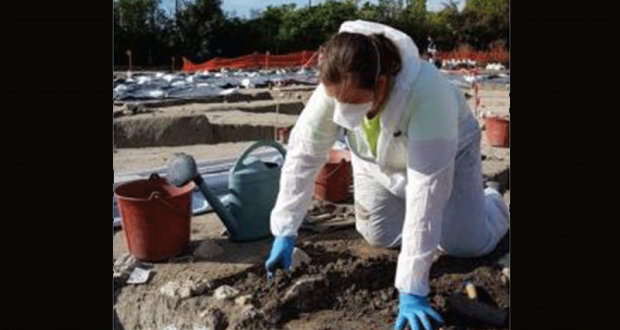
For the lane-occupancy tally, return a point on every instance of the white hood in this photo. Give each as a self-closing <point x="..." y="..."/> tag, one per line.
<point x="408" y="51"/>
<point x="403" y="82"/>
<point x="409" y="56"/>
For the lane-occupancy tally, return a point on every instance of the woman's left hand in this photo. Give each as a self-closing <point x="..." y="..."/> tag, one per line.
<point x="415" y="310"/>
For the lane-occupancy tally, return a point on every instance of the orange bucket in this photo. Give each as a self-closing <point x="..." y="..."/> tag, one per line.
<point x="333" y="182"/>
<point x="156" y="217"/>
<point x="498" y="131"/>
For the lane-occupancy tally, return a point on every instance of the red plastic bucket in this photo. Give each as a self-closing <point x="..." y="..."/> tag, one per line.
<point x="498" y="131"/>
<point x="156" y="217"/>
<point x="333" y="182"/>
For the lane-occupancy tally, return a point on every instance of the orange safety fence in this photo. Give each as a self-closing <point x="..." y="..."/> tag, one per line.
<point x="497" y="55"/>
<point x="254" y="61"/>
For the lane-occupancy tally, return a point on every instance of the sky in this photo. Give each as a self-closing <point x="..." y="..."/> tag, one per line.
<point x="242" y="7"/>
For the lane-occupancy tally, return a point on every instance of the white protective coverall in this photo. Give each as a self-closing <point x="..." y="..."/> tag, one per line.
<point x="423" y="190"/>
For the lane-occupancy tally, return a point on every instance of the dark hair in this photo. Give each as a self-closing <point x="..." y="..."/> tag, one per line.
<point x="354" y="56"/>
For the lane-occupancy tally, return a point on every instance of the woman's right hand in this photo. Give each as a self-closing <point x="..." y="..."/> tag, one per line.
<point x="281" y="254"/>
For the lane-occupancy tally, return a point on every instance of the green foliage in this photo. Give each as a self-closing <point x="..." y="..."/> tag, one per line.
<point x="201" y="31"/>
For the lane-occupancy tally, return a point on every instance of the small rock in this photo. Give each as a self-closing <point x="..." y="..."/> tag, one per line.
<point x="132" y="108"/>
<point x="225" y="292"/>
<point x="170" y="289"/>
<point x="302" y="287"/>
<point x="170" y="327"/>
<point x="215" y="319"/>
<point x="208" y="250"/>
<point x="184" y="292"/>
<point x="251" y="276"/>
<point x="128" y="108"/>
<point x="299" y="258"/>
<point x="506" y="272"/>
<point x="185" y="289"/>
<point x="249" y="311"/>
<point x="243" y="300"/>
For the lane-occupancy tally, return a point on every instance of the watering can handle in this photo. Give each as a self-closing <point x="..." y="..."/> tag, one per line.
<point x="258" y="144"/>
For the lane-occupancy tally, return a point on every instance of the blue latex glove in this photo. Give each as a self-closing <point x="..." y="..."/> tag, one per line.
<point x="414" y="310"/>
<point x="281" y="254"/>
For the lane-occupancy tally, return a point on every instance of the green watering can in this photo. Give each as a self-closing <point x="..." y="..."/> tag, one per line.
<point x="253" y="186"/>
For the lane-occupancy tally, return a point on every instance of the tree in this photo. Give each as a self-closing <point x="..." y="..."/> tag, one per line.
<point x="413" y="21"/>
<point x="369" y="12"/>
<point x="198" y="24"/>
<point x="138" y="25"/>
<point x="201" y="31"/>
<point x="419" y="6"/>
<point x="444" y="26"/>
<point x="255" y="13"/>
<point x="486" y="22"/>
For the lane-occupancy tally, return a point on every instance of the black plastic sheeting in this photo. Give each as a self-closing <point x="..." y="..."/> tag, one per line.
<point x="190" y="86"/>
<point x="499" y="78"/>
<point x="161" y="86"/>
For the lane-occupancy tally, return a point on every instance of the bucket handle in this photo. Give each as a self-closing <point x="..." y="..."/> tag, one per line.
<point x="262" y="143"/>
<point x="157" y="195"/>
<point x="342" y="162"/>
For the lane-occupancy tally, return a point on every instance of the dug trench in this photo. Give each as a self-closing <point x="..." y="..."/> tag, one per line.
<point x="203" y="124"/>
<point x="191" y="130"/>
<point x="246" y="116"/>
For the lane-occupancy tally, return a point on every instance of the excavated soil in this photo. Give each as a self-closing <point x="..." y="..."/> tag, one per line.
<point x="357" y="288"/>
<point x="336" y="290"/>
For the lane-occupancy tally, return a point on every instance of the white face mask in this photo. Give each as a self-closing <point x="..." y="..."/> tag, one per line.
<point x="349" y="115"/>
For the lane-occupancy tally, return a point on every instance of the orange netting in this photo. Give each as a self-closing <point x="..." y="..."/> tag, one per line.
<point x="304" y="58"/>
<point x="499" y="55"/>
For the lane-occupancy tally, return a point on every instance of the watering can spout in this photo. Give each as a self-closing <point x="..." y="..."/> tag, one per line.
<point x="181" y="170"/>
